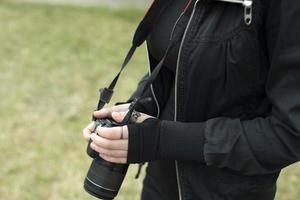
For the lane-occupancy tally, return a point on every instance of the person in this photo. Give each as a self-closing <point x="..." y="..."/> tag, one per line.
<point x="224" y="119"/>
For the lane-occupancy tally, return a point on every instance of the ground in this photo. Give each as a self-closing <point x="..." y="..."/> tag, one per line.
<point x="53" y="59"/>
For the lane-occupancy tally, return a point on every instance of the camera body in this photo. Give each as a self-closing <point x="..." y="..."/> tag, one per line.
<point x="104" y="178"/>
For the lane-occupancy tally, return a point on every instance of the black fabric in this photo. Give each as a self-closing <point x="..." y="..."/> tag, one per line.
<point x="151" y="108"/>
<point x="147" y="107"/>
<point x="184" y="147"/>
<point x="156" y="139"/>
<point x="160" y="35"/>
<point x="160" y="180"/>
<point x="272" y="142"/>
<point x="143" y="30"/>
<point x="241" y="84"/>
<point x="144" y="141"/>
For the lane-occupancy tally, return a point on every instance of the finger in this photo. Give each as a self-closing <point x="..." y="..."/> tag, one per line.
<point x="114" y="133"/>
<point x="111" y="153"/>
<point x="103" y="113"/>
<point x="106" y="112"/>
<point x="86" y="132"/>
<point x="119" y="116"/>
<point x="110" y="144"/>
<point x="113" y="160"/>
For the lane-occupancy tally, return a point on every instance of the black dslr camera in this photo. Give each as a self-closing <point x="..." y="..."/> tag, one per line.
<point x="104" y="178"/>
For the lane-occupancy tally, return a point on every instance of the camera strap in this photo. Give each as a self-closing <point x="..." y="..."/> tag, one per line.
<point x="143" y="30"/>
<point x="141" y="34"/>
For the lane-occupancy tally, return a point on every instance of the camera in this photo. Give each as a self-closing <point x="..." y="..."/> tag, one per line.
<point x="104" y="178"/>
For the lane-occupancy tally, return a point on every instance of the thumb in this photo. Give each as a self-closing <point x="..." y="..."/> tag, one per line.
<point x="118" y="116"/>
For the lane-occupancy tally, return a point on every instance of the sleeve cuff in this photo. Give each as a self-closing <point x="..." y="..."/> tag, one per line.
<point x="165" y="140"/>
<point x="143" y="144"/>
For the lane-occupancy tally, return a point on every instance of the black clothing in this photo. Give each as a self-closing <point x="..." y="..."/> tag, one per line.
<point x="159" y="37"/>
<point x="166" y="188"/>
<point x="237" y="87"/>
<point x="160" y="180"/>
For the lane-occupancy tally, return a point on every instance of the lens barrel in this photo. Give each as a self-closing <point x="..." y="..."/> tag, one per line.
<point x="104" y="178"/>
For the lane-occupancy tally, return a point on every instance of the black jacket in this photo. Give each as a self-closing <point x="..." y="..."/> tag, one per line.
<point x="238" y="86"/>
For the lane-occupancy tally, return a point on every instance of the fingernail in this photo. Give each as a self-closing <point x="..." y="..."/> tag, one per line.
<point x="92" y="145"/>
<point x="114" y="114"/>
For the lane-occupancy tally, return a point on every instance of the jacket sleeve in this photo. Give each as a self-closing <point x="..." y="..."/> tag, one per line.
<point x="266" y="145"/>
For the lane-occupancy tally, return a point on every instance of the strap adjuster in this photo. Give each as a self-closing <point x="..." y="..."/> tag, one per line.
<point x="105" y="95"/>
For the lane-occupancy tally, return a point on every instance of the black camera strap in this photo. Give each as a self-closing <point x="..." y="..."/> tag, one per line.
<point x="143" y="30"/>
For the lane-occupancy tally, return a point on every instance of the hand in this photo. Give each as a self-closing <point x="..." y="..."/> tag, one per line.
<point x="103" y="113"/>
<point x="112" y="143"/>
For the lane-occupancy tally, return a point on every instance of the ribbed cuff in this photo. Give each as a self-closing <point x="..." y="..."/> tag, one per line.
<point x="144" y="140"/>
<point x="165" y="140"/>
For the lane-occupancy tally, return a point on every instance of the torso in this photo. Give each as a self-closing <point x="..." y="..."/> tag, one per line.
<point x="160" y="181"/>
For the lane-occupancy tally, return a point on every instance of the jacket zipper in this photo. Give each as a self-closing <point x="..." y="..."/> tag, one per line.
<point x="176" y="81"/>
<point x="247" y="9"/>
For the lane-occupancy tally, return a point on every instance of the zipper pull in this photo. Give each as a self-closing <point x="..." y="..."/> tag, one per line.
<point x="248" y="11"/>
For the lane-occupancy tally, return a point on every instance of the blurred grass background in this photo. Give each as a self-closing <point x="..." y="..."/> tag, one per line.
<point x="53" y="59"/>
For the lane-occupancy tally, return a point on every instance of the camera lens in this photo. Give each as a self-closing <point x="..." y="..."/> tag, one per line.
<point x="104" y="179"/>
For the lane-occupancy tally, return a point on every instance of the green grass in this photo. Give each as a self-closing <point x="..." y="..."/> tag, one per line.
<point x="52" y="62"/>
<point x="53" y="59"/>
